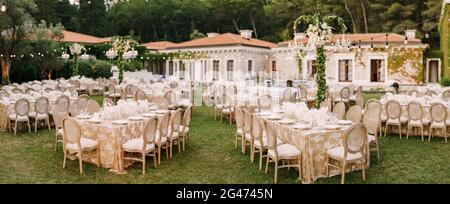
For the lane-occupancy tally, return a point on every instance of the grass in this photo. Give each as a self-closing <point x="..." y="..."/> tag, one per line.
<point x="212" y="158"/>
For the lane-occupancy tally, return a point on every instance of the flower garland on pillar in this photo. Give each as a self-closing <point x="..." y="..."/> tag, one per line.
<point x="76" y="50"/>
<point x="319" y="33"/>
<point x="123" y="49"/>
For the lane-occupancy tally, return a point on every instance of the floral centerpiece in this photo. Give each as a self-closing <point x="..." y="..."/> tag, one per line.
<point x="123" y="48"/>
<point x="76" y="50"/>
<point x="319" y="33"/>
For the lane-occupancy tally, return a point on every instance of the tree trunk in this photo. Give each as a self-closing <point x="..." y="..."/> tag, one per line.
<point x="366" y="29"/>
<point x="254" y="26"/>
<point x="351" y="16"/>
<point x="6" y="66"/>
<point x="236" y="25"/>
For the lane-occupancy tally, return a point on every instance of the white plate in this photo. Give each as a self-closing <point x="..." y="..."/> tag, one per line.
<point x="94" y="121"/>
<point x="301" y="127"/>
<point x="161" y="111"/>
<point x="345" y="122"/>
<point x="286" y="122"/>
<point x="83" y="117"/>
<point x="149" y="115"/>
<point x="273" y="117"/>
<point x="332" y="127"/>
<point x="263" y="113"/>
<point x="136" y="118"/>
<point x="120" y="122"/>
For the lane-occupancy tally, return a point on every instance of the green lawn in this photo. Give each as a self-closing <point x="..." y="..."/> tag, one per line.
<point x="212" y="158"/>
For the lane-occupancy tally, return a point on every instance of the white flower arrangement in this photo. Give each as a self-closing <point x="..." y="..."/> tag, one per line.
<point x="318" y="35"/>
<point x="76" y="49"/>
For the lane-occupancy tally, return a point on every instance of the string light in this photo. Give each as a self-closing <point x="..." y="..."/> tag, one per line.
<point x="371" y="44"/>
<point x="387" y="43"/>
<point x="3" y="7"/>
<point x="406" y="38"/>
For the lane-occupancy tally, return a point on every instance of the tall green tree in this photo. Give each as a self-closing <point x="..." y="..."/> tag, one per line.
<point x="15" y="25"/>
<point x="46" y="10"/>
<point x="67" y="14"/>
<point x="92" y="17"/>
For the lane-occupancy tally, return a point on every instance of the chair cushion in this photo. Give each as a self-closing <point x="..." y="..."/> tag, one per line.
<point x="20" y="118"/>
<point x="264" y="140"/>
<point x="285" y="151"/>
<point x="338" y="152"/>
<point x="438" y="124"/>
<point x="163" y="140"/>
<point x="352" y="97"/>
<point x="85" y="143"/>
<point x="114" y="95"/>
<point x="186" y="130"/>
<point x="418" y="123"/>
<point x="135" y="145"/>
<point x="383" y="118"/>
<point x="40" y="115"/>
<point x="370" y="138"/>
<point x="60" y="131"/>
<point x="403" y="120"/>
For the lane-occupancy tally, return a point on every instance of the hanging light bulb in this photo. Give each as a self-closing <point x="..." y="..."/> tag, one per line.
<point x="406" y="38"/>
<point x="387" y="43"/>
<point x="427" y="35"/>
<point x="371" y="44"/>
<point x="3" y="7"/>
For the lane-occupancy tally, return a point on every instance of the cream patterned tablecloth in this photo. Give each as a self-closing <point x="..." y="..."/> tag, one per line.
<point x="313" y="144"/>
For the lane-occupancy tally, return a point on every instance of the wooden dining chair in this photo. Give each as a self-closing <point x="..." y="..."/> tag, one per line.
<point x="394" y="116"/>
<point x="438" y="113"/>
<point x="185" y="127"/>
<point x="143" y="146"/>
<point x="339" y="110"/>
<point x="372" y="119"/>
<point x="284" y="152"/>
<point x="415" y="118"/>
<point x="21" y="110"/>
<point x="75" y="144"/>
<point x="41" y="108"/>
<point x="354" y="114"/>
<point x="353" y="150"/>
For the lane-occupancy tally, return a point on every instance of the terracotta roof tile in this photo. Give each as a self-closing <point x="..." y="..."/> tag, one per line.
<point x="223" y="40"/>
<point x="161" y="45"/>
<point x="365" y="38"/>
<point x="74" y="37"/>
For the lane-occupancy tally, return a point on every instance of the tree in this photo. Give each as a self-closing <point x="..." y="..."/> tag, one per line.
<point x="14" y="26"/>
<point x="67" y="14"/>
<point x="92" y="17"/>
<point x="46" y="10"/>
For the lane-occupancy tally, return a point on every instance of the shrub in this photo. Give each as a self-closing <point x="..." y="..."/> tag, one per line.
<point x="85" y="68"/>
<point x="445" y="81"/>
<point x="102" y="69"/>
<point x="133" y="66"/>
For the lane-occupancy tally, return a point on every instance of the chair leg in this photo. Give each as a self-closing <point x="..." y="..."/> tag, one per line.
<point x="56" y="140"/>
<point x="363" y="167"/>
<point x="189" y="139"/>
<point x="385" y="130"/>
<point x="159" y="155"/>
<point x="35" y="124"/>
<point x="98" y="156"/>
<point x="267" y="164"/>
<point x="64" y="161"/>
<point x="276" y="171"/>
<point x="421" y="132"/>
<point x="429" y="134"/>
<point x="327" y="170"/>
<point x="236" y="140"/>
<point x="81" y="163"/>
<point x="184" y="148"/>
<point x="343" y="173"/>
<point x="171" y="147"/>
<point x="378" y="150"/>
<point x="260" y="160"/>
<point x="29" y="126"/>
<point x="154" y="159"/>
<point x="407" y="131"/>
<point x="299" y="168"/>
<point x="167" y="151"/>
<point x="48" y="123"/>
<point x="400" y="130"/>
<point x="143" y="163"/>
<point x="15" y="127"/>
<point x="178" y="144"/>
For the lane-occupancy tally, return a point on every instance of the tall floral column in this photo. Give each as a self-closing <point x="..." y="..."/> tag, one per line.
<point x="319" y="33"/>
<point x="76" y="49"/>
<point x="123" y="49"/>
